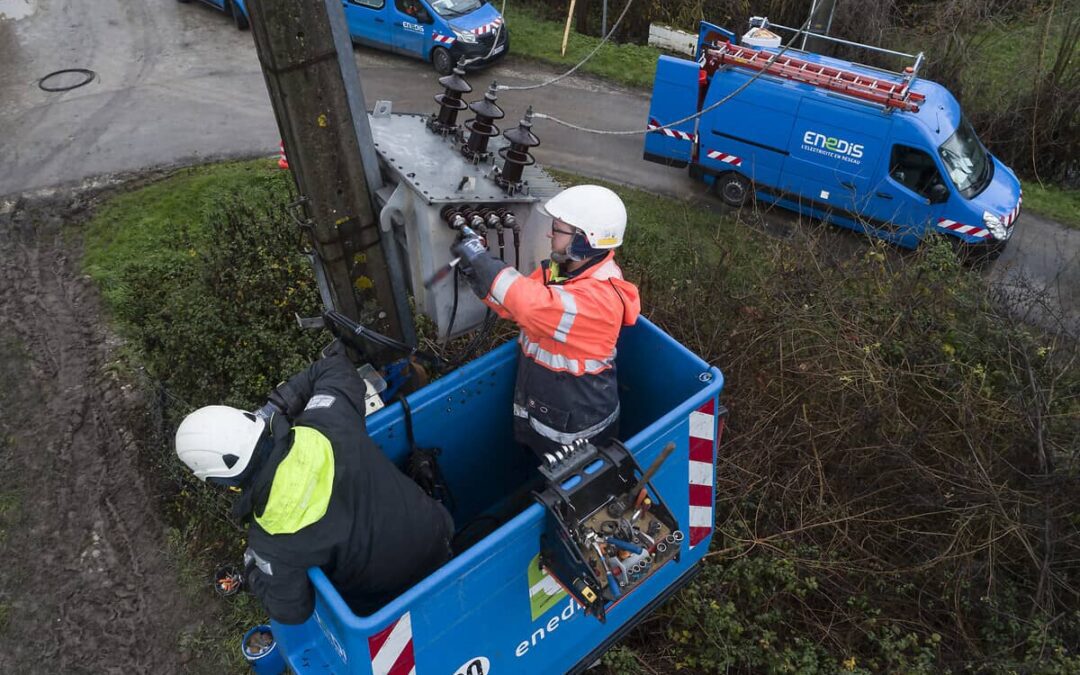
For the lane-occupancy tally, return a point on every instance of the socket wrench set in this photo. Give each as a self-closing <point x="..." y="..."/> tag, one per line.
<point x="607" y="529"/>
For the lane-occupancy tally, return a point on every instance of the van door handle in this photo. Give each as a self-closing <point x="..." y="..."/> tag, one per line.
<point x="848" y="184"/>
<point x="377" y="20"/>
<point x="883" y="195"/>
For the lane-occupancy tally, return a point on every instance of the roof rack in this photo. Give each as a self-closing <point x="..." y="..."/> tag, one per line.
<point x="885" y="92"/>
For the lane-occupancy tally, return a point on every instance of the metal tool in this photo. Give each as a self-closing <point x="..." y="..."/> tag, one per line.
<point x="624" y="545"/>
<point x="443" y="272"/>
<point x="651" y="471"/>
<point x="618" y="507"/>
<point x="641" y="510"/>
<point x="446" y="269"/>
<point x="612" y="584"/>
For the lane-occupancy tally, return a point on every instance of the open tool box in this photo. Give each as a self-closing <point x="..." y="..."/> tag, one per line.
<point x="607" y="529"/>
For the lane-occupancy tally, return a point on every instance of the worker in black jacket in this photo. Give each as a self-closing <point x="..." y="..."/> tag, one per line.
<point x="317" y="493"/>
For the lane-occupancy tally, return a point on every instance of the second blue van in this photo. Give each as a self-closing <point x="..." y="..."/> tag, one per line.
<point x="887" y="153"/>
<point x="470" y="33"/>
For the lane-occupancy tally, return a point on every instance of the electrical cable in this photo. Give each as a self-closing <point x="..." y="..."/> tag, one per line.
<point x="453" y="311"/>
<point x="482" y="335"/>
<point x="635" y="132"/>
<point x="614" y="27"/>
<point x="498" y="31"/>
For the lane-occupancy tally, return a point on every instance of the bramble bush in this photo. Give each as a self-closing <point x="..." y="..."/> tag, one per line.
<point x="896" y="486"/>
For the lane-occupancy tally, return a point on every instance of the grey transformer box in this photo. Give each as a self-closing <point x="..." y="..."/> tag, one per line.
<point x="439" y="176"/>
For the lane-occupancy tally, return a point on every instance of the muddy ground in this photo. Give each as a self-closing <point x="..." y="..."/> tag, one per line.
<point x="87" y="583"/>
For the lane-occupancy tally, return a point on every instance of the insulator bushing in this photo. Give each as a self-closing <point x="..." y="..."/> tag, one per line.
<point x="453" y="216"/>
<point x="450" y="103"/>
<point x="509" y="219"/>
<point x="516" y="157"/>
<point x="482" y="128"/>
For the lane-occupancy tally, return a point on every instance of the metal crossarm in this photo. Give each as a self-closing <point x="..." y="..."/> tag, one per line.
<point x="882" y="91"/>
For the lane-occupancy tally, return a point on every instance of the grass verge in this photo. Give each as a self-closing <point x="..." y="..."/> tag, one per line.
<point x="898" y="476"/>
<point x="537" y="38"/>
<point x="1056" y="203"/>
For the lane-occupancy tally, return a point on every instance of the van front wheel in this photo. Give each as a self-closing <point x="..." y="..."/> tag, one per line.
<point x="733" y="188"/>
<point x="441" y="59"/>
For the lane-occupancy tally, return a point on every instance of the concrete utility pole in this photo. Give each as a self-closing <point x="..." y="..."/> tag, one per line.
<point x="307" y="60"/>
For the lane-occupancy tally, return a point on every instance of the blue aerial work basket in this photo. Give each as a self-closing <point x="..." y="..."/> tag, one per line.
<point x="492" y="607"/>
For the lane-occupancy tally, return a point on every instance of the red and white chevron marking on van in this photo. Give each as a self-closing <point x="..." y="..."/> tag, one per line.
<point x="724" y="157"/>
<point x="673" y="133"/>
<point x="392" y="649"/>
<point x="489" y="27"/>
<point x="970" y="230"/>
<point x="1011" y="216"/>
<point x="704" y="434"/>
<point x="443" y="39"/>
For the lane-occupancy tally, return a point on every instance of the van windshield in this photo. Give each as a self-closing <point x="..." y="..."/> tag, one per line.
<point x="967" y="161"/>
<point x="449" y="8"/>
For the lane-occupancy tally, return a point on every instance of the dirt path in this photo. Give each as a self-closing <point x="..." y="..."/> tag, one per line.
<point x="86" y="584"/>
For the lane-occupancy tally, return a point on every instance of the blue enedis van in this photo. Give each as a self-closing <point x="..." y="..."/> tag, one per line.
<point x="234" y="8"/>
<point x="887" y="153"/>
<point x="470" y="33"/>
<point x="446" y="33"/>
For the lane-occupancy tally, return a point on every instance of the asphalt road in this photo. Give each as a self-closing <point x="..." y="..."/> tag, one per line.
<point x="176" y="83"/>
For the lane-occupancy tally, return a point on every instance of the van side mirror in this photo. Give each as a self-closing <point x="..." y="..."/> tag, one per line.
<point x="938" y="193"/>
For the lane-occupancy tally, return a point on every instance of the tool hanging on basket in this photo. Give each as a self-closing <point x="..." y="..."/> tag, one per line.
<point x="422" y="464"/>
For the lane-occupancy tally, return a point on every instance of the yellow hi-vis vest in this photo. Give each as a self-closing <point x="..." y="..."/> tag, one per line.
<point x="303" y="483"/>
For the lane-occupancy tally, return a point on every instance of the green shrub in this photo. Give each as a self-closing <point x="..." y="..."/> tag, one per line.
<point x="896" y="487"/>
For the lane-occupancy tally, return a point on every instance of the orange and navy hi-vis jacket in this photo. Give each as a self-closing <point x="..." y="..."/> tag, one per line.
<point x="566" y="384"/>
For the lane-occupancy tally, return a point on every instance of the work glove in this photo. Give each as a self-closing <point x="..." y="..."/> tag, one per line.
<point x="472" y="249"/>
<point x="285" y="399"/>
<point x="469" y="246"/>
<point x="267" y="411"/>
<point x="335" y="348"/>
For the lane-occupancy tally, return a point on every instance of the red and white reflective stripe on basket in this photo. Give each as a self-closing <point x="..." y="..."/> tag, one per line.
<point x="392" y="649"/>
<point x="969" y="230"/>
<point x="674" y="133"/>
<point x="724" y="157"/>
<point x="488" y="27"/>
<point x="443" y="39"/>
<point x="703" y="435"/>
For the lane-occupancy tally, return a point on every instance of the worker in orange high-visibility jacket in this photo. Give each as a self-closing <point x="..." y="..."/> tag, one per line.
<point x="570" y="311"/>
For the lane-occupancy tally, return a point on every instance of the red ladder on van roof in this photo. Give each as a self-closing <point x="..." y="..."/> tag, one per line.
<point x="888" y="93"/>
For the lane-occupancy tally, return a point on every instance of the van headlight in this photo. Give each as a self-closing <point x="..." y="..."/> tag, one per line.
<point x="994" y="224"/>
<point x="467" y="38"/>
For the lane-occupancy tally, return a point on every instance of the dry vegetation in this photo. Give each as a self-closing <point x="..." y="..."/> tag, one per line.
<point x="1013" y="64"/>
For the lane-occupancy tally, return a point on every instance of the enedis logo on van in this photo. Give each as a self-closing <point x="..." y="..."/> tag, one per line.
<point x="838" y="148"/>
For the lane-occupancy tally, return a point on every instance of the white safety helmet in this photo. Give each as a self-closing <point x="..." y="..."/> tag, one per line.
<point x="596" y="211"/>
<point x="218" y="441"/>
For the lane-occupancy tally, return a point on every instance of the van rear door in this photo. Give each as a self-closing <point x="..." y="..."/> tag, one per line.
<point x="367" y="22"/>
